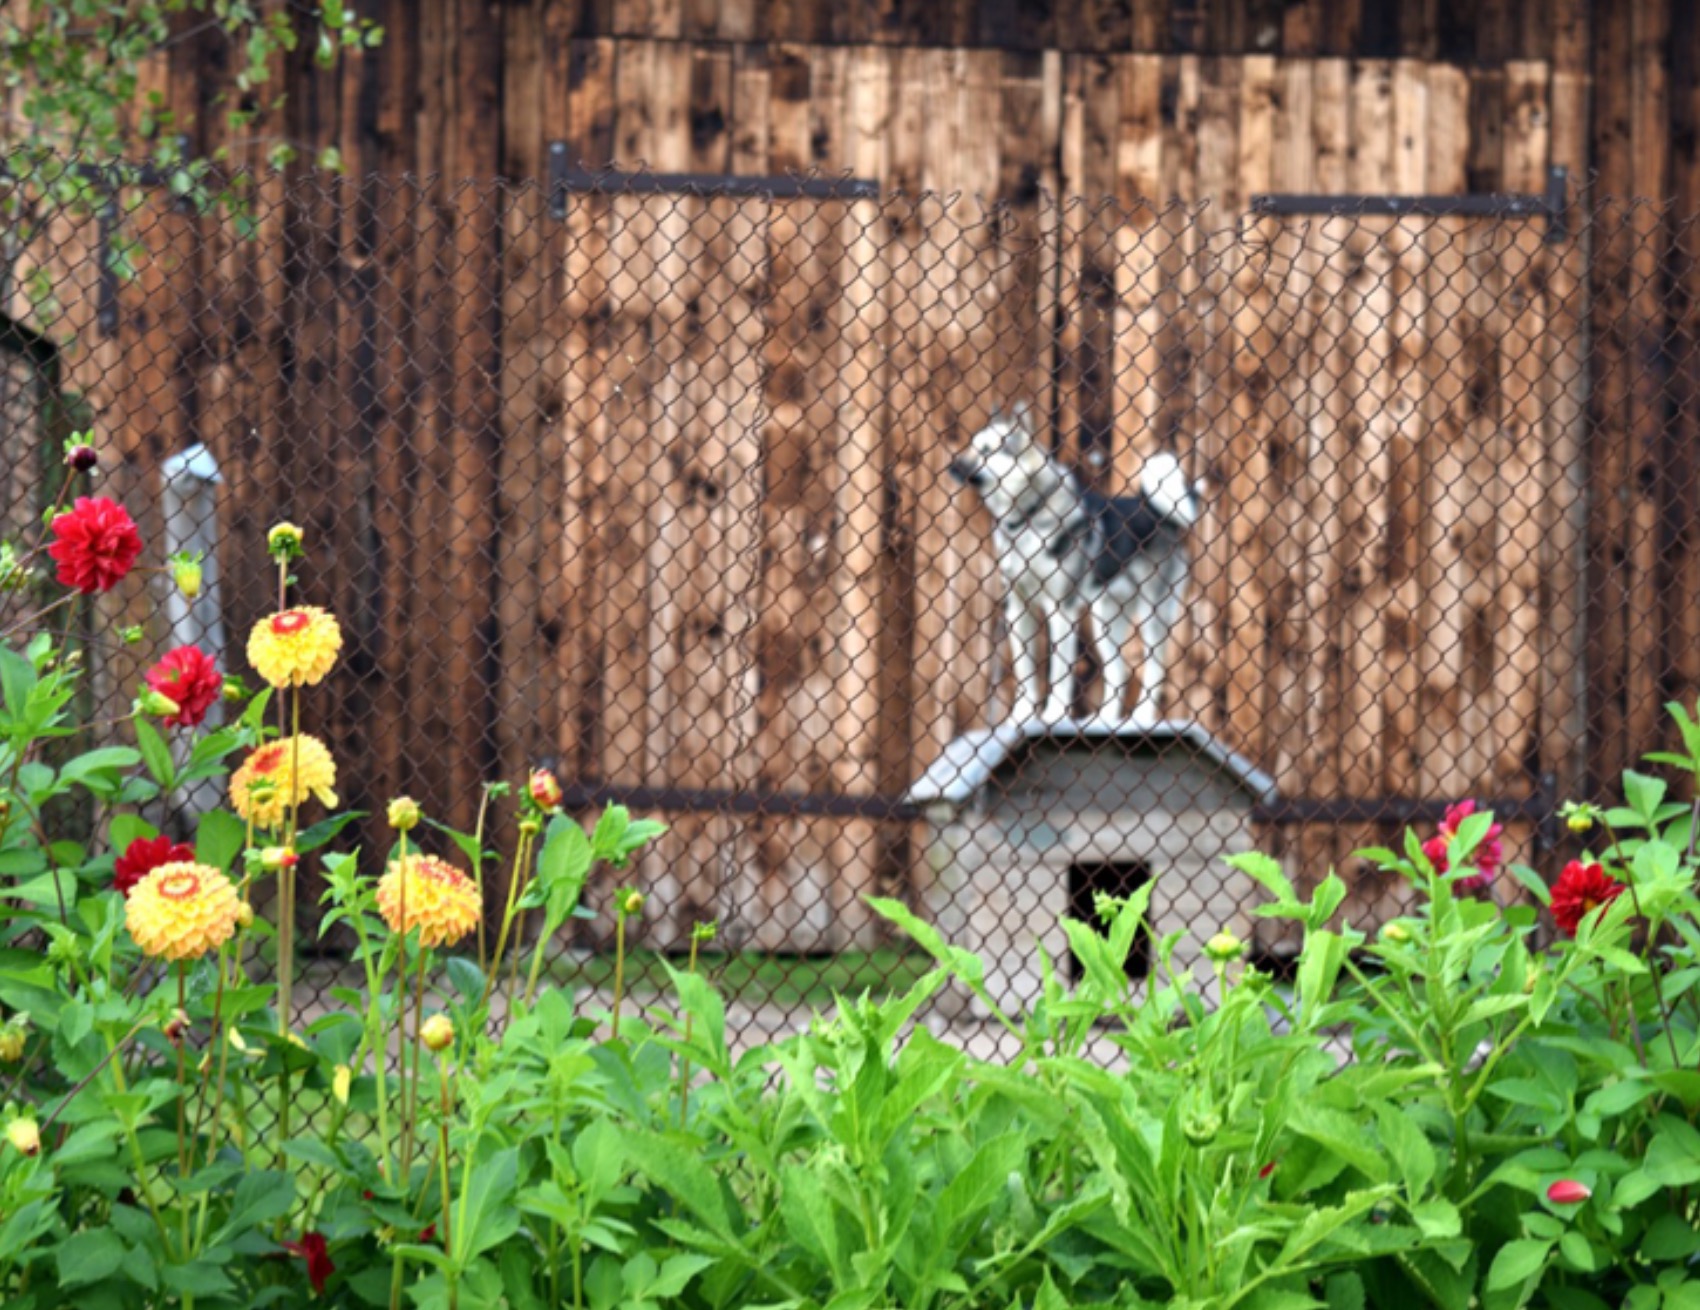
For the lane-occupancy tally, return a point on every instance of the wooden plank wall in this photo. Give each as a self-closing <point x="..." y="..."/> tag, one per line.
<point x="453" y="391"/>
<point x="870" y="639"/>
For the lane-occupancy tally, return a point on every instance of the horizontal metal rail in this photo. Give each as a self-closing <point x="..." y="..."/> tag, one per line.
<point x="589" y="796"/>
<point x="1399" y="811"/>
<point x="1550" y="205"/>
<point x="565" y="180"/>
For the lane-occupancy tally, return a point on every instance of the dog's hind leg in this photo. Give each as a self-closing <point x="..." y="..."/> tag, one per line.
<point x="1024" y="639"/>
<point x="1063" y="623"/>
<point x="1160" y="603"/>
<point x="1113" y="625"/>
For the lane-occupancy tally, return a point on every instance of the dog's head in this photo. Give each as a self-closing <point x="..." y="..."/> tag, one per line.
<point x="1005" y="464"/>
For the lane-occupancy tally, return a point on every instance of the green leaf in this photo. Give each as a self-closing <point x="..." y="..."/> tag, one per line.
<point x="1340" y="1133"/>
<point x="1412" y="1155"/>
<point x="667" y="1164"/>
<point x="981" y="1181"/>
<point x="91" y="1256"/>
<point x="260" y="1197"/>
<point x="219" y="838"/>
<point x="1643" y="793"/>
<point x="1344" y="1291"/>
<point x="1575" y="1248"/>
<point x="1049" y="1298"/>
<point x="1671" y="1238"/>
<point x="488" y="1202"/>
<point x="156" y="755"/>
<point x="1266" y="871"/>
<point x="1517" y="1262"/>
<point x="109" y="759"/>
<point x="325" y="831"/>
<point x="1437" y="1219"/>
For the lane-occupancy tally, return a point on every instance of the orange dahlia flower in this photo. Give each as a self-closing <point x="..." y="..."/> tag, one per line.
<point x="296" y="648"/>
<point x="182" y="911"/>
<point x="442" y="902"/>
<point x="263" y="789"/>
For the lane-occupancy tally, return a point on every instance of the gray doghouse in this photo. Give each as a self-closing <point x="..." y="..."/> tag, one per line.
<point x="1021" y="819"/>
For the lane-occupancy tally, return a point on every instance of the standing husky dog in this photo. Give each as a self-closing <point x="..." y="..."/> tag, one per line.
<point x="1065" y="550"/>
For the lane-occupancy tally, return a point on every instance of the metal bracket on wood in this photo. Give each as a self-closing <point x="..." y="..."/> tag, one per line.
<point x="565" y="179"/>
<point x="1550" y="205"/>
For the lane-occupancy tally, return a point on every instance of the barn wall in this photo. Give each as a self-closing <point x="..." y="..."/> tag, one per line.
<point x="454" y="390"/>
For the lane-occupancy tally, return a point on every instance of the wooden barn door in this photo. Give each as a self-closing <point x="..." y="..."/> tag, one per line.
<point x="722" y="418"/>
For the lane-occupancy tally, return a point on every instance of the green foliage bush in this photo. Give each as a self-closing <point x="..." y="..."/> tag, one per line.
<point x="1458" y="1112"/>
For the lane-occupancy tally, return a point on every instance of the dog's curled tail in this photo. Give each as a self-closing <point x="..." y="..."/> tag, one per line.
<point x="1171" y="495"/>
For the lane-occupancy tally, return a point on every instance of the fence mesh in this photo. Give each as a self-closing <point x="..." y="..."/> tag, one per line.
<point x="817" y="520"/>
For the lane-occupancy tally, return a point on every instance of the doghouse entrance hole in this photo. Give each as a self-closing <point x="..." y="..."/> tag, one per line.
<point x="1086" y="882"/>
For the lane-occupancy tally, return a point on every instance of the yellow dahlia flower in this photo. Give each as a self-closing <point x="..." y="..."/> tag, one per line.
<point x="296" y="648"/>
<point x="442" y="902"/>
<point x="181" y="911"/>
<point x="263" y="788"/>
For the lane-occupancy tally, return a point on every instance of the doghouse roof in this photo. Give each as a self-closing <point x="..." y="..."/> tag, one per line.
<point x="968" y="763"/>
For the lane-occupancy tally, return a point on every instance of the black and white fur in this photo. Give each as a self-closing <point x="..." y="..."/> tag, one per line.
<point x="1064" y="550"/>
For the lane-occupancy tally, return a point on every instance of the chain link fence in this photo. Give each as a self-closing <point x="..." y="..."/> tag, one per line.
<point x="712" y="495"/>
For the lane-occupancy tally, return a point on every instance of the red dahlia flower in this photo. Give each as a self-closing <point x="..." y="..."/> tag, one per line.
<point x="1579" y="889"/>
<point x="95" y="544"/>
<point x="188" y="676"/>
<point x="311" y="1248"/>
<point x="142" y="856"/>
<point x="1485" y="859"/>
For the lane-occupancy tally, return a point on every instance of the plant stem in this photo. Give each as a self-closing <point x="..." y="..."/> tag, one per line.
<point x="478" y="876"/>
<point x="410" y="1122"/>
<point x="685" y="1064"/>
<point x="182" y="1089"/>
<point x="286" y="922"/>
<point x="443" y="1156"/>
<point x="92" y="1074"/>
<point x="402" y="875"/>
<point x="521" y="853"/>
<point x="619" y="966"/>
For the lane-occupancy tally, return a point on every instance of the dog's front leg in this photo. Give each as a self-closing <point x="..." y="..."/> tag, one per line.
<point x="1024" y="637"/>
<point x="1064" y="624"/>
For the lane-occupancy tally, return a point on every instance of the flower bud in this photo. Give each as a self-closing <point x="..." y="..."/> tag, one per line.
<point x="1396" y="933"/>
<point x="186" y="572"/>
<point x="1567" y="1191"/>
<point x="529" y="826"/>
<point x="157" y="704"/>
<point x="1579" y="816"/>
<point x="403" y="814"/>
<point x="132" y="635"/>
<point x="1223" y="948"/>
<point x="438" y="1034"/>
<point x="283" y="542"/>
<point x="545" y="789"/>
<point x="24" y="1135"/>
<point x="273" y="858"/>
<point x="1201" y="1127"/>
<point x="176" y="1027"/>
<point x="341" y="1079"/>
<point x="80" y="457"/>
<point x="12" y="1038"/>
<point x="703" y="933"/>
<point x="632" y="904"/>
<point x="245" y="915"/>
